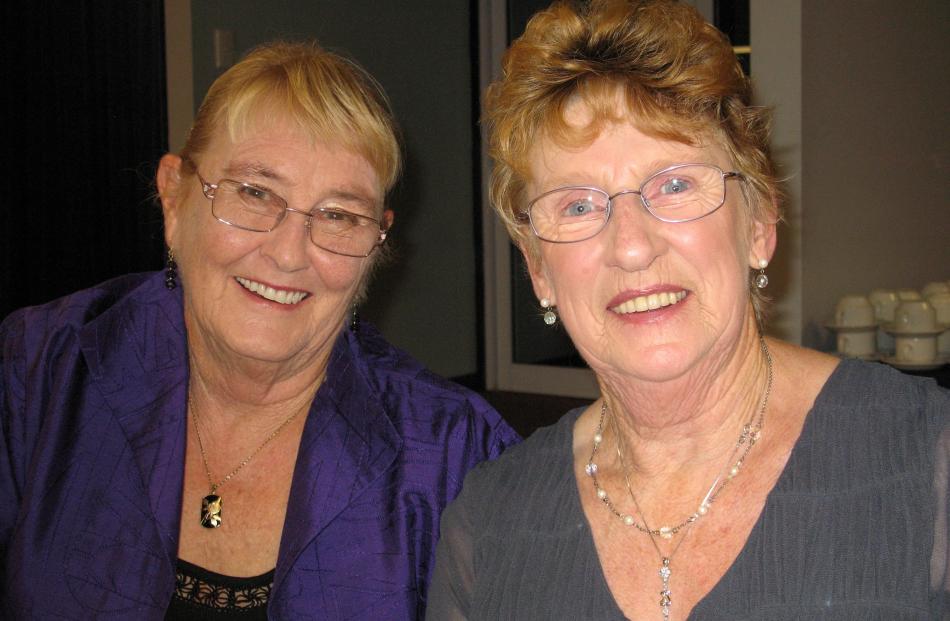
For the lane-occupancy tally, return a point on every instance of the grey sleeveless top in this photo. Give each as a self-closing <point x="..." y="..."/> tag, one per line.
<point x="854" y="529"/>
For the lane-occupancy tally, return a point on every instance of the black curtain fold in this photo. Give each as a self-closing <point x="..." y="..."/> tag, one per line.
<point x="84" y="111"/>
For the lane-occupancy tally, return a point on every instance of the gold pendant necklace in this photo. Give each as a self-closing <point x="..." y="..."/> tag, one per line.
<point x="212" y="504"/>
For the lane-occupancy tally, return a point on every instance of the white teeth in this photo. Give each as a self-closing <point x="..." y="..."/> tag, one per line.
<point x="269" y="293"/>
<point x="649" y="302"/>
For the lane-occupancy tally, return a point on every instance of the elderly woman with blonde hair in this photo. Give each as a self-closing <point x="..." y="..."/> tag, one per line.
<point x="721" y="474"/>
<point x="220" y="440"/>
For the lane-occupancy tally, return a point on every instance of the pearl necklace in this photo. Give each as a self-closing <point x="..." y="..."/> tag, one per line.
<point x="750" y="434"/>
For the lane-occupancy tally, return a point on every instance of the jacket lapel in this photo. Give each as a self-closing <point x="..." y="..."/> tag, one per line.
<point x="348" y="442"/>
<point x="137" y="357"/>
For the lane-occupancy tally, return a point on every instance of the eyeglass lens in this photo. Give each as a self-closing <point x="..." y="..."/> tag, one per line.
<point x="331" y="228"/>
<point x="676" y="194"/>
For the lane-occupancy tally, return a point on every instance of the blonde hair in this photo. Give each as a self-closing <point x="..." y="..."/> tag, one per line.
<point x="329" y="96"/>
<point x="677" y="75"/>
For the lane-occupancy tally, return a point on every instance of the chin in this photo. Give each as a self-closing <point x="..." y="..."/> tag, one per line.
<point x="657" y="363"/>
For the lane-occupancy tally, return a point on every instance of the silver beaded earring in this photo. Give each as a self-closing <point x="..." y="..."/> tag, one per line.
<point x="550" y="317"/>
<point x="762" y="281"/>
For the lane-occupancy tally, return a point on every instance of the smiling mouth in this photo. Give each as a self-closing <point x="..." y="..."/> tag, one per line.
<point x="281" y="296"/>
<point x="644" y="303"/>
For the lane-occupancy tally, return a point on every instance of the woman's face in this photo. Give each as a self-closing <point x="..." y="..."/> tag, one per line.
<point x="230" y="276"/>
<point x="696" y="271"/>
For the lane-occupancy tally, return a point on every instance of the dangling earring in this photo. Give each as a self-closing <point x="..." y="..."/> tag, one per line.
<point x="550" y="317"/>
<point x="171" y="271"/>
<point x="762" y="281"/>
<point x="354" y="320"/>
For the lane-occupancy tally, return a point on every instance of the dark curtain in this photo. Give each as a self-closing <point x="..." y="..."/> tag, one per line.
<point x="84" y="116"/>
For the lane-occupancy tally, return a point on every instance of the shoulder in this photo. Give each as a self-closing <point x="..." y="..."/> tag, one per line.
<point x="533" y="476"/>
<point x="871" y="425"/>
<point x="49" y="329"/>
<point x="41" y="323"/>
<point x="868" y="389"/>
<point x="408" y="388"/>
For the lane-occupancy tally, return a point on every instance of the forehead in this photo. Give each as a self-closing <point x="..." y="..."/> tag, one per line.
<point x="616" y="154"/>
<point x="288" y="157"/>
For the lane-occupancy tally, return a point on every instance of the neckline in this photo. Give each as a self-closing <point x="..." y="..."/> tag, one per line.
<point x="234" y="582"/>
<point x="569" y="421"/>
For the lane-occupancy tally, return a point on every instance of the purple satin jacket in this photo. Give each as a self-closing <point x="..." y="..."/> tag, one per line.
<point x="92" y="447"/>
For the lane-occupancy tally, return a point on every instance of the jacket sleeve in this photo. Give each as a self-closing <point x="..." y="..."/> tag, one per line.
<point x="13" y="436"/>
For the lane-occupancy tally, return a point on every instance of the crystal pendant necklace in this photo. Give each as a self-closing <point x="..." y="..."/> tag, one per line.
<point x="212" y="504"/>
<point x="750" y="434"/>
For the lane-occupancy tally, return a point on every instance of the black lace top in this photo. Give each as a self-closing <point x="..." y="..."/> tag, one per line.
<point x="204" y="595"/>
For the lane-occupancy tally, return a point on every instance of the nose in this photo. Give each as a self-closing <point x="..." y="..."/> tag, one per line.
<point x="288" y="244"/>
<point x="635" y="238"/>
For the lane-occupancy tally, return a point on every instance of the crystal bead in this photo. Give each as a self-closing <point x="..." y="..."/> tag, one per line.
<point x="665" y="573"/>
<point x="601" y="493"/>
<point x="628" y="520"/>
<point x="761" y="281"/>
<point x="590" y="469"/>
<point x="666" y="532"/>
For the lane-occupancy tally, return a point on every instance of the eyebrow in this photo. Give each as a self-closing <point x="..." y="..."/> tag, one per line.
<point x="346" y="193"/>
<point x="252" y="169"/>
<point x="655" y="166"/>
<point x="350" y="194"/>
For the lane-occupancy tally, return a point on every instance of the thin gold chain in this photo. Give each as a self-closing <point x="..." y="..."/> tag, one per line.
<point x="246" y="460"/>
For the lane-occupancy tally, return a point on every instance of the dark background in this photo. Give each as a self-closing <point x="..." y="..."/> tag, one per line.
<point x="85" y="118"/>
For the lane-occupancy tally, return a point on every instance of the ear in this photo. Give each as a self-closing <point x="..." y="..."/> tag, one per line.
<point x="168" y="180"/>
<point x="387" y="220"/>
<point x="539" y="278"/>
<point x="763" y="243"/>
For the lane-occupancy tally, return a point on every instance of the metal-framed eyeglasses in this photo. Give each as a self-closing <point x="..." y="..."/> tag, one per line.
<point x="679" y="193"/>
<point x="332" y="227"/>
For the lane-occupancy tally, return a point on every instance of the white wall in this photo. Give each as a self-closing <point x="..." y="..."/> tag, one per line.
<point x="775" y="30"/>
<point x="875" y="150"/>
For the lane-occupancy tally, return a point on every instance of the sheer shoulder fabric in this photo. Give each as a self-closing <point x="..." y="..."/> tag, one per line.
<point x="856" y="527"/>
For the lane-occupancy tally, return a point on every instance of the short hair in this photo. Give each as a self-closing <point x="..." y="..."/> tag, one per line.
<point x="676" y="72"/>
<point x="328" y="95"/>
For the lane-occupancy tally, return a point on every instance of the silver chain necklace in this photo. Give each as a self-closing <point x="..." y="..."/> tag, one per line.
<point x="750" y="434"/>
<point x="211" y="505"/>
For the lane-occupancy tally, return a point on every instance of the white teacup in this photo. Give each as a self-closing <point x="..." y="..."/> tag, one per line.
<point x="915" y="316"/>
<point x="857" y="344"/>
<point x="941" y="304"/>
<point x="932" y="288"/>
<point x="916" y="349"/>
<point x="885" y="303"/>
<point x="854" y="311"/>
<point x="909" y="295"/>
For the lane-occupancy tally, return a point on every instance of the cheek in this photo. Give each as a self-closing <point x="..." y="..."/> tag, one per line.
<point x="340" y="273"/>
<point x="570" y="271"/>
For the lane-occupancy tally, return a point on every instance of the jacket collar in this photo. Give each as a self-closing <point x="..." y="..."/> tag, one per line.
<point x="348" y="443"/>
<point x="137" y="355"/>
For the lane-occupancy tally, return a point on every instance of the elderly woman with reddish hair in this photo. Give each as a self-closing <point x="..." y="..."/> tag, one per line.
<point x="721" y="474"/>
<point x="221" y="440"/>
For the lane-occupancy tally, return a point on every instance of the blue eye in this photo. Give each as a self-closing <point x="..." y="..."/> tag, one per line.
<point x="674" y="185"/>
<point x="579" y="208"/>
